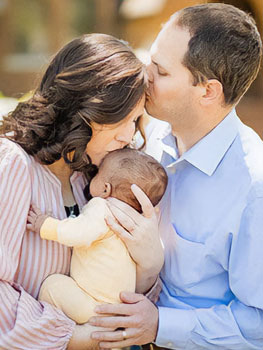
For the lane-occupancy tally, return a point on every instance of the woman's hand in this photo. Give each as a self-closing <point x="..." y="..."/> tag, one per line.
<point x="81" y="337"/>
<point x="140" y="234"/>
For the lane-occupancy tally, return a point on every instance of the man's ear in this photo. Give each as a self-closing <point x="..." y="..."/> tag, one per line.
<point x="107" y="190"/>
<point x="212" y="92"/>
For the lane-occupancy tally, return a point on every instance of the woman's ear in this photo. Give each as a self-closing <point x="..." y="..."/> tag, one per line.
<point x="107" y="190"/>
<point x="213" y="92"/>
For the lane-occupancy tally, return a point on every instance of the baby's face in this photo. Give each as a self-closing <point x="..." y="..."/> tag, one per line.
<point x="97" y="185"/>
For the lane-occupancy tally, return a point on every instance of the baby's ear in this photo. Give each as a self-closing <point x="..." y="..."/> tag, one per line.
<point x="107" y="190"/>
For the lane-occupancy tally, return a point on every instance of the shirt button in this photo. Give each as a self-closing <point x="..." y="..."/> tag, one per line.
<point x="169" y="345"/>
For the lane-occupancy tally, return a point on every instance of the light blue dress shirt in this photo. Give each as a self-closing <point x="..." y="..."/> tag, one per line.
<point x="211" y="225"/>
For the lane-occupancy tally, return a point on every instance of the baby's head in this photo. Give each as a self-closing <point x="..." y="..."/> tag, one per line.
<point x="121" y="168"/>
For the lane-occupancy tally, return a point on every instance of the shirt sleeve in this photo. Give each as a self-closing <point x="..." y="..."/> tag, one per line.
<point x="81" y="230"/>
<point x="237" y="325"/>
<point x="154" y="292"/>
<point x="24" y="322"/>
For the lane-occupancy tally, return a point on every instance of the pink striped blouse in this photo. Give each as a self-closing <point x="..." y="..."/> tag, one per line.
<point x="25" y="259"/>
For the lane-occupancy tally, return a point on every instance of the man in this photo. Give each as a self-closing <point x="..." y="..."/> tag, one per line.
<point x="211" y="222"/>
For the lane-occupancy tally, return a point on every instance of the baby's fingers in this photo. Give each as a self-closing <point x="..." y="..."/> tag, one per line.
<point x="31" y="217"/>
<point x="29" y="227"/>
<point x="34" y="209"/>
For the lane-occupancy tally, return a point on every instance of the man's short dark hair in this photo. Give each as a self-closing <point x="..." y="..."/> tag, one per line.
<point x="225" y="45"/>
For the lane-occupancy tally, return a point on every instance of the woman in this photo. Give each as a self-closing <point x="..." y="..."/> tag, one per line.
<point x="87" y="105"/>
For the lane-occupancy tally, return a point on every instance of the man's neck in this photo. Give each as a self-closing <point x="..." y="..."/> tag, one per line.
<point x="188" y="136"/>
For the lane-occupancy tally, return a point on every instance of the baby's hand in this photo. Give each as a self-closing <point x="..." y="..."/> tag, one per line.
<point x="35" y="219"/>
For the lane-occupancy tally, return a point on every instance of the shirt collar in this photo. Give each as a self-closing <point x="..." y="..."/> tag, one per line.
<point x="206" y="154"/>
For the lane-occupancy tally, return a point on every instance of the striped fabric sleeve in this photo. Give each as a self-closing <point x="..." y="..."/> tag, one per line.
<point x="24" y="322"/>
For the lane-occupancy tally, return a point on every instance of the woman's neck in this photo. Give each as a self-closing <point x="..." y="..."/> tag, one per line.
<point x="60" y="169"/>
<point x="63" y="172"/>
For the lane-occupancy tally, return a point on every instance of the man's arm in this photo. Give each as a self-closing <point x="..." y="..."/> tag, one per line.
<point x="237" y="325"/>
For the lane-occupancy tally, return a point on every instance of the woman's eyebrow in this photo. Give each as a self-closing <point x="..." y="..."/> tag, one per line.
<point x="157" y="64"/>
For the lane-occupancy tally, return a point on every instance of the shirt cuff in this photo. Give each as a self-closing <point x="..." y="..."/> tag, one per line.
<point x="154" y="292"/>
<point x="175" y="326"/>
<point x="49" y="229"/>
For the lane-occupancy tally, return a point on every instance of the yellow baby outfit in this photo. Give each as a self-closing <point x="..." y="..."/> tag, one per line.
<point x="101" y="266"/>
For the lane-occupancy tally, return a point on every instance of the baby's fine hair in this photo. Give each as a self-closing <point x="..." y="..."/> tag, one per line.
<point x="129" y="166"/>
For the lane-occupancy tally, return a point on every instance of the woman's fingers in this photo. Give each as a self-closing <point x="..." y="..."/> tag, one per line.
<point x="123" y="219"/>
<point x="126" y="210"/>
<point x="123" y="207"/>
<point x="146" y="205"/>
<point x="118" y="229"/>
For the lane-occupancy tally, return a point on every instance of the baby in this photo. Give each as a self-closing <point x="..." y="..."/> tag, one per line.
<point x="101" y="266"/>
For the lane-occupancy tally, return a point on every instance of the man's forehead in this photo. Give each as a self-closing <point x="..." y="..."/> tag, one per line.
<point x="171" y="42"/>
<point x="160" y="50"/>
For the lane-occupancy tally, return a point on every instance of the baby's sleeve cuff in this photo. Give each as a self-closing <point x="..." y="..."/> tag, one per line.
<point x="49" y="229"/>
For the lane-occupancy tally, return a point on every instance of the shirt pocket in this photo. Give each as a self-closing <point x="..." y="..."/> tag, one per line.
<point x="185" y="263"/>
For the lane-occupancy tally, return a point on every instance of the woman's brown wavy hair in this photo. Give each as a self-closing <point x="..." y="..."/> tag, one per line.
<point x="95" y="77"/>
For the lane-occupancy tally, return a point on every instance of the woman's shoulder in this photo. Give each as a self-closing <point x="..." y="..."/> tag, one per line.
<point x="10" y="151"/>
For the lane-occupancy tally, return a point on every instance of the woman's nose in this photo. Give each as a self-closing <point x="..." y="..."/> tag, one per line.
<point x="126" y="134"/>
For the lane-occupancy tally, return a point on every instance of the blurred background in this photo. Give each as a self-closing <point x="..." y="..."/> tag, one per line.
<point x="31" y="31"/>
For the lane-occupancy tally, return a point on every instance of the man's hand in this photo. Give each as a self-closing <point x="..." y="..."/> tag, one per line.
<point x="135" y="321"/>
